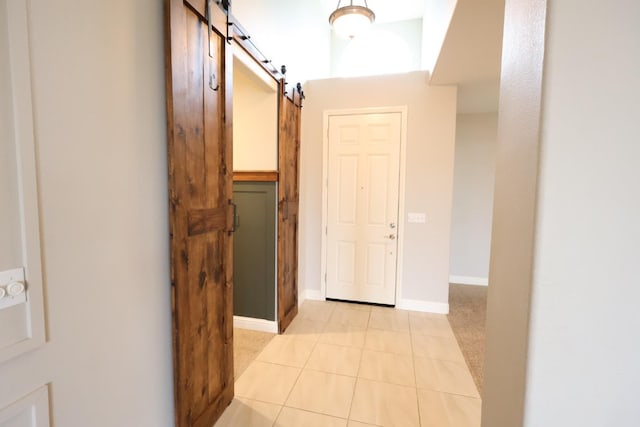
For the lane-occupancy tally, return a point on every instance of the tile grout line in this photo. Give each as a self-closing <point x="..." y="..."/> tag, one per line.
<point x="355" y="385"/>
<point x="413" y="331"/>
<point x="464" y="359"/>
<point x="292" y="387"/>
<point x="315" y="344"/>
<point x="311" y="412"/>
<point x="415" y="375"/>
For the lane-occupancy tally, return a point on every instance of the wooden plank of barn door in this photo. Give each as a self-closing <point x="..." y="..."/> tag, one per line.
<point x="200" y="185"/>
<point x="288" y="159"/>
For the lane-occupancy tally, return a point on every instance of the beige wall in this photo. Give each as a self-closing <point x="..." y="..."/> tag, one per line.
<point x="476" y="140"/>
<point x="255" y="122"/>
<point x="512" y="240"/>
<point x="98" y="85"/>
<point x="563" y="325"/>
<point x="585" y="329"/>
<point x="429" y="174"/>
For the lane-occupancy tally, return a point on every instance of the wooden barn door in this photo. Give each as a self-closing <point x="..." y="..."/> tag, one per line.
<point x="200" y="187"/>
<point x="288" y="159"/>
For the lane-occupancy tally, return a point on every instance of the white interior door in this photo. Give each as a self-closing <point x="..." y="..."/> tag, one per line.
<point x="362" y="206"/>
<point x="22" y="318"/>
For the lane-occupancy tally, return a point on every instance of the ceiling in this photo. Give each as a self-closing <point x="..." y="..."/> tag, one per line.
<point x="471" y="54"/>
<point x="385" y="10"/>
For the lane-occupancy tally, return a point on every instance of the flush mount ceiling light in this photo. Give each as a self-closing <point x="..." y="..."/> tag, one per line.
<point x="348" y="21"/>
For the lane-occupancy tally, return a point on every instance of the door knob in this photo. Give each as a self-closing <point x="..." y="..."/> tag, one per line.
<point x="391" y="236"/>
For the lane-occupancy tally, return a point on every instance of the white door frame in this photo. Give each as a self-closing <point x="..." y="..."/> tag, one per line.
<point x="403" y="110"/>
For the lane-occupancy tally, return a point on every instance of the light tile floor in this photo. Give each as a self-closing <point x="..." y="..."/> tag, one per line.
<point x="351" y="365"/>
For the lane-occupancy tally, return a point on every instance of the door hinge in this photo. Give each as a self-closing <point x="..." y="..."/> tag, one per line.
<point x="325" y="278"/>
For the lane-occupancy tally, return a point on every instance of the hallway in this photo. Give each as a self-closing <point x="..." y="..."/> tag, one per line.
<point x="352" y="365"/>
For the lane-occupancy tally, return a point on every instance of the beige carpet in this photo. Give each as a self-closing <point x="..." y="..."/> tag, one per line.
<point x="467" y="312"/>
<point x="246" y="347"/>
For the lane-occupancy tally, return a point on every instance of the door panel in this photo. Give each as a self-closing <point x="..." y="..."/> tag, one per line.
<point x="288" y="197"/>
<point x="348" y="176"/>
<point x="200" y="186"/>
<point x="376" y="263"/>
<point x="29" y="411"/>
<point x="364" y="177"/>
<point x="378" y="167"/>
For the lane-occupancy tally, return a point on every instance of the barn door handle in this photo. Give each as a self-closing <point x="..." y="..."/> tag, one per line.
<point x="213" y="80"/>
<point x="236" y="219"/>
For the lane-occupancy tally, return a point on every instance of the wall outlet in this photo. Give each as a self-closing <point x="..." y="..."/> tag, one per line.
<point x="13" y="288"/>
<point x="417" y="218"/>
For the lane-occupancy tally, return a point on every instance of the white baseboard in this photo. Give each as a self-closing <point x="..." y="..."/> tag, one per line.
<point x="423" y="306"/>
<point x="403" y="304"/>
<point x="310" y="294"/>
<point x="252" y="324"/>
<point x="468" y="280"/>
<point x="314" y="295"/>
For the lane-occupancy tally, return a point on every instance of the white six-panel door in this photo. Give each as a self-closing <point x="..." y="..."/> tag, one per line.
<point x="362" y="206"/>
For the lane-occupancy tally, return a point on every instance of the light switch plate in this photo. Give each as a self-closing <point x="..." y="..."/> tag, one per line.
<point x="417" y="218"/>
<point x="7" y="277"/>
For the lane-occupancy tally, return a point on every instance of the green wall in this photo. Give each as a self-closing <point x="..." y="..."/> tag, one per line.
<point x="254" y="250"/>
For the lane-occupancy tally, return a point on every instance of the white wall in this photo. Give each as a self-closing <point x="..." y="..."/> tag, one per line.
<point x="476" y="139"/>
<point x="288" y="32"/>
<point x="435" y="23"/>
<point x="298" y="34"/>
<point x="98" y="88"/>
<point x="429" y="174"/>
<point x="400" y="42"/>
<point x="585" y="330"/>
<point x="255" y="122"/>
